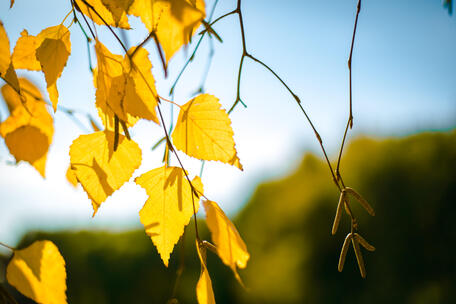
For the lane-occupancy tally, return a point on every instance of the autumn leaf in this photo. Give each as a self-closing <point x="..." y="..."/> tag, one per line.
<point x="174" y="21"/>
<point x="24" y="53"/>
<point x="28" y="131"/>
<point x="71" y="177"/>
<point x="105" y="9"/>
<point x="125" y="87"/>
<point x="204" y="292"/>
<point x="169" y="207"/>
<point x="7" y="71"/>
<point x="99" y="169"/>
<point x="230" y="246"/>
<point x="38" y="272"/>
<point x="203" y="130"/>
<point x="52" y="53"/>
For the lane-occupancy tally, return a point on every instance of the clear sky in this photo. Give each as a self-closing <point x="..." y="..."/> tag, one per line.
<point x="404" y="81"/>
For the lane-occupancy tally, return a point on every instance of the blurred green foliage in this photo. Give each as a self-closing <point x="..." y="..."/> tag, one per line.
<point x="410" y="182"/>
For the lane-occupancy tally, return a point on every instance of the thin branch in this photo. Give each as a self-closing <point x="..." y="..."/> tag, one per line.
<point x="350" y="115"/>
<point x="6" y="246"/>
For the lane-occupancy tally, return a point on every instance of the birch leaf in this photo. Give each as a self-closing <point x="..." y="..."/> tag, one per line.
<point x="204" y="292"/>
<point x="169" y="207"/>
<point x="118" y="20"/>
<point x="203" y="130"/>
<point x="7" y="71"/>
<point x="174" y="21"/>
<point x="99" y="169"/>
<point x="52" y="53"/>
<point x="24" y="53"/>
<point x="38" y="272"/>
<point x="28" y="131"/>
<point x="230" y="246"/>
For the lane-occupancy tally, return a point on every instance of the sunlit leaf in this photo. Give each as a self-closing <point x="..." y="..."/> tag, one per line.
<point x="71" y="177"/>
<point x="24" y="53"/>
<point x="29" y="129"/>
<point x="38" y="272"/>
<point x="203" y="130"/>
<point x="230" y="246"/>
<point x="169" y="206"/>
<point x="174" y="21"/>
<point x="118" y="19"/>
<point x="124" y="89"/>
<point x="99" y="169"/>
<point x="7" y="71"/>
<point x="52" y="53"/>
<point x="204" y="292"/>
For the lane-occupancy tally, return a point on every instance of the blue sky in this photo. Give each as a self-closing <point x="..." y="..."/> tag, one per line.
<point x="404" y="68"/>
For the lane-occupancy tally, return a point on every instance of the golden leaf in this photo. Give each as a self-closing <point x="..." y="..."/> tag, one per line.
<point x="169" y="206"/>
<point x="203" y="130"/>
<point x="52" y="53"/>
<point x="24" y="53"/>
<point x="230" y="246"/>
<point x="38" y="272"/>
<point x="204" y="292"/>
<point x="71" y="177"/>
<point x="119" y="19"/>
<point x="99" y="169"/>
<point x="29" y="129"/>
<point x="7" y="71"/>
<point x="124" y="89"/>
<point x="174" y="21"/>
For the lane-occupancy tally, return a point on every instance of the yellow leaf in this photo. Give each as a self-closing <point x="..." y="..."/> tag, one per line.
<point x="119" y="19"/>
<point x="175" y="21"/>
<point x="24" y="53"/>
<point x="7" y="71"/>
<point x="29" y="129"/>
<point x="71" y="177"/>
<point x="38" y="272"/>
<point x="169" y="206"/>
<point x="230" y="246"/>
<point x="203" y="130"/>
<point x="52" y="53"/>
<point x="98" y="168"/>
<point x="204" y="292"/>
<point x="125" y="89"/>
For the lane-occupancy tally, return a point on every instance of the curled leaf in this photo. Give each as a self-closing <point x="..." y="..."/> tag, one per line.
<point x="204" y="292"/>
<point x="343" y="252"/>
<point x="361" y="200"/>
<point x="230" y="246"/>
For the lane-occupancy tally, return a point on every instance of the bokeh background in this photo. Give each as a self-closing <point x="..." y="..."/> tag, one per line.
<point x="401" y="157"/>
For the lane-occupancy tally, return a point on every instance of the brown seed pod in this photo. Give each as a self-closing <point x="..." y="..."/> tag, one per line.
<point x="359" y="257"/>
<point x="364" y="243"/>
<point x="338" y="212"/>
<point x="343" y="252"/>
<point x="361" y="200"/>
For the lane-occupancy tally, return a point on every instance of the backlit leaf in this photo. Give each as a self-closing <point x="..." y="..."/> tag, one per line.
<point x="52" y="53"/>
<point x="230" y="246"/>
<point x="38" y="272"/>
<point x="118" y="19"/>
<point x="29" y="129"/>
<point x="169" y="207"/>
<point x="125" y="89"/>
<point x="7" y="71"/>
<point x="71" y="177"/>
<point x="175" y="21"/>
<point x="204" y="292"/>
<point x="203" y="130"/>
<point x="99" y="169"/>
<point x="24" y="53"/>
